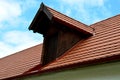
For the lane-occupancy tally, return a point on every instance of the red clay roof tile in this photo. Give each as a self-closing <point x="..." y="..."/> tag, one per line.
<point x="20" y="62"/>
<point x="105" y="43"/>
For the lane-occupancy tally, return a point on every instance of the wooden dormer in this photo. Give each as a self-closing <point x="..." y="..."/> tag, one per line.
<point x="60" y="32"/>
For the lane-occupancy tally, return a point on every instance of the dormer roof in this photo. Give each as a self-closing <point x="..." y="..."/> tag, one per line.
<point x="48" y="15"/>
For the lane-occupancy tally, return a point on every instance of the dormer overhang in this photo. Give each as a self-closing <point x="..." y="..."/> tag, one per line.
<point x="46" y="16"/>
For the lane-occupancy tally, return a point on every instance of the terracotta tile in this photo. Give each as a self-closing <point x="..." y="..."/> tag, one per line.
<point x="105" y="43"/>
<point x="20" y="62"/>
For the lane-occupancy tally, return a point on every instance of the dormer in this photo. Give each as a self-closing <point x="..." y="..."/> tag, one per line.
<point x="60" y="32"/>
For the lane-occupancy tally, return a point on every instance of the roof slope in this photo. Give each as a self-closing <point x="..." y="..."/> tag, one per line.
<point x="103" y="46"/>
<point x="20" y="62"/>
<point x="67" y="20"/>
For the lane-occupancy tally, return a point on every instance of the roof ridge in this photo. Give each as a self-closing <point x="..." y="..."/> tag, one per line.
<point x="104" y="20"/>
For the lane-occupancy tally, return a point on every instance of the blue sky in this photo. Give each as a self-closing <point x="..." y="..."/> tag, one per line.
<point x="16" y="16"/>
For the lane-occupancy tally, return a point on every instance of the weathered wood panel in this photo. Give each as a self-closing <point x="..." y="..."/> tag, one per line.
<point x="57" y="40"/>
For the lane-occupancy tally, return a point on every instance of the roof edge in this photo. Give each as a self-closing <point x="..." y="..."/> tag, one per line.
<point x="103" y="20"/>
<point x="43" y="8"/>
<point x="107" y="59"/>
<point x="88" y="30"/>
<point x="22" y="50"/>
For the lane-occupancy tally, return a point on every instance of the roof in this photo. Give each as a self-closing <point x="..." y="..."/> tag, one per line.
<point x="104" y="46"/>
<point x="20" y="62"/>
<point x="54" y="15"/>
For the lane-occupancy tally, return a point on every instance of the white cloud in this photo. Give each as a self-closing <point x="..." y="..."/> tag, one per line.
<point x="84" y="2"/>
<point x="15" y="41"/>
<point x="12" y="22"/>
<point x="28" y="4"/>
<point x="85" y="10"/>
<point x="9" y="10"/>
<point x="5" y="49"/>
<point x="12" y="12"/>
<point x="18" y="37"/>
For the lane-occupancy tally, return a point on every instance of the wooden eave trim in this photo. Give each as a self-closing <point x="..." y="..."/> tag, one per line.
<point x="43" y="9"/>
<point x="31" y="27"/>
